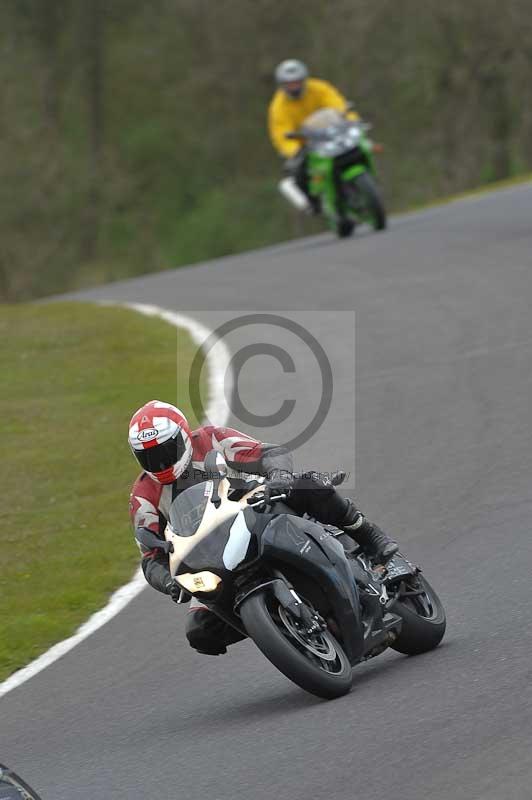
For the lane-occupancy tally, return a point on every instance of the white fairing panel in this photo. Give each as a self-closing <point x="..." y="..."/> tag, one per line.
<point x="237" y="545"/>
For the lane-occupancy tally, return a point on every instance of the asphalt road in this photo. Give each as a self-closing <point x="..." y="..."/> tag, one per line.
<point x="443" y="459"/>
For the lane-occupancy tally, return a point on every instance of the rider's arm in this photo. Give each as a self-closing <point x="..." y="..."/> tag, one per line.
<point x="245" y="454"/>
<point x="143" y="512"/>
<point x="279" y="124"/>
<point x="332" y="98"/>
<point x="156" y="571"/>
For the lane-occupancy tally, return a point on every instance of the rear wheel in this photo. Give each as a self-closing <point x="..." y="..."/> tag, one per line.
<point x="367" y="202"/>
<point x="423" y="617"/>
<point x="316" y="663"/>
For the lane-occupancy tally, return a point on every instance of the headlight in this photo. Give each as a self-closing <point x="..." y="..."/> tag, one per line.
<point x="199" y="581"/>
<point x="352" y="139"/>
<point x="330" y="147"/>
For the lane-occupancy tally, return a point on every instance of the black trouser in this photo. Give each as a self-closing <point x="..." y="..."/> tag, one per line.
<point x="301" y="177"/>
<point x="312" y="495"/>
<point x="300" y="171"/>
<point x="207" y="633"/>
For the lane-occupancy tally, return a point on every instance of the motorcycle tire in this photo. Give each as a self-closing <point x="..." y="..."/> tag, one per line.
<point x="263" y="616"/>
<point x="366" y="186"/>
<point x="345" y="228"/>
<point x="423" y="618"/>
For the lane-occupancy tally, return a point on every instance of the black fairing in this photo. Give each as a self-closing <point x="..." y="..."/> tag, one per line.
<point x="278" y="539"/>
<point x="308" y="547"/>
<point x="354" y="156"/>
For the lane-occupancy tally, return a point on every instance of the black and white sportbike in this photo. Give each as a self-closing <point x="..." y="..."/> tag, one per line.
<point x="313" y="609"/>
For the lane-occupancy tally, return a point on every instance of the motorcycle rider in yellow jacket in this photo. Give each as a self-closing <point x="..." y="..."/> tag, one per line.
<point x="297" y="97"/>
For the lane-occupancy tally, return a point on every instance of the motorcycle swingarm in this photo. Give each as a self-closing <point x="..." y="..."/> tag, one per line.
<point x="381" y="626"/>
<point x="378" y="639"/>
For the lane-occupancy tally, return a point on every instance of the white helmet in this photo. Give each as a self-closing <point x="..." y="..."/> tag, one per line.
<point x="291" y="71"/>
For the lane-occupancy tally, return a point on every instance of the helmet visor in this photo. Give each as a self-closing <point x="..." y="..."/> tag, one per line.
<point x="162" y="456"/>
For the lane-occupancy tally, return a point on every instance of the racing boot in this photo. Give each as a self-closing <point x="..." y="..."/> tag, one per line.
<point x="315" y="204"/>
<point x="371" y="538"/>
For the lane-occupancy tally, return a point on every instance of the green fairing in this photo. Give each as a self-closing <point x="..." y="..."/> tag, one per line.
<point x="353" y="172"/>
<point x="359" y="201"/>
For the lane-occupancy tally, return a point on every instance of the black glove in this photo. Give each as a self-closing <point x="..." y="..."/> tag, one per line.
<point x="176" y="592"/>
<point x="279" y="481"/>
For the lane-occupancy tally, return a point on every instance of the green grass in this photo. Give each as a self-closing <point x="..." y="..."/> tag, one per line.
<point x="71" y="375"/>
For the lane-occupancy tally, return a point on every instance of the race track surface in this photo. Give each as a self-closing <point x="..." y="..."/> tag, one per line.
<point x="443" y="458"/>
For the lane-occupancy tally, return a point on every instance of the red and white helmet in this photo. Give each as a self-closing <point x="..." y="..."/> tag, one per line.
<point x="160" y="438"/>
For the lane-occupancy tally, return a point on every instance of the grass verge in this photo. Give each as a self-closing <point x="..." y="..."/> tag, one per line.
<point x="71" y="376"/>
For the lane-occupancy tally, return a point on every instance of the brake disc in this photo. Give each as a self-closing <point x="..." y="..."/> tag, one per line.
<point x="329" y="654"/>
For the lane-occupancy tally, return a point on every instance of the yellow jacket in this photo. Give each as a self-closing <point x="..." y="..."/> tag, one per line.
<point x="286" y="114"/>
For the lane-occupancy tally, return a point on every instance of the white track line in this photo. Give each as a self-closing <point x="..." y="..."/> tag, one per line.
<point x="217" y="359"/>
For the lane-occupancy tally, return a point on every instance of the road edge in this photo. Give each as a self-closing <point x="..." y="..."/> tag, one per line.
<point x="217" y="359"/>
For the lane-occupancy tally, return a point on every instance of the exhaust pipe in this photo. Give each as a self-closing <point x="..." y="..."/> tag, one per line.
<point x="289" y="189"/>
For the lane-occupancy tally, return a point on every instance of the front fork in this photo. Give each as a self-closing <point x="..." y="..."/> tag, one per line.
<point x="286" y="595"/>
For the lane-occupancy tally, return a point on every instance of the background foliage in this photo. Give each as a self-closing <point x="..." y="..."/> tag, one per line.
<point x="133" y="131"/>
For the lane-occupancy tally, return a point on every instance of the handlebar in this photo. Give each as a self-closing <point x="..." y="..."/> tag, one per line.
<point x="262" y="502"/>
<point x="320" y="133"/>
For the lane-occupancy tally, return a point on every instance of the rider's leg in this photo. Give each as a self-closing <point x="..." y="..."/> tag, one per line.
<point x="207" y="633"/>
<point x="301" y="178"/>
<point x="315" y="495"/>
<point x="372" y="539"/>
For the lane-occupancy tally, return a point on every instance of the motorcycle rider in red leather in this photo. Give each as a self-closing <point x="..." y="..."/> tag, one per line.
<point x="172" y="459"/>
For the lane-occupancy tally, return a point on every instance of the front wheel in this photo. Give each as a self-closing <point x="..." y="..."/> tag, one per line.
<point x="367" y="201"/>
<point x="345" y="227"/>
<point x="316" y="663"/>
<point x="423" y="617"/>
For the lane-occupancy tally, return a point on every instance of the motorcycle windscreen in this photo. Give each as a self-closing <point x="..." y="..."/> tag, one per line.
<point x="192" y="513"/>
<point x="187" y="510"/>
<point x="324" y="118"/>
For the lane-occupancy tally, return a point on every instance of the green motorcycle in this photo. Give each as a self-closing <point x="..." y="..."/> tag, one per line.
<point x="341" y="172"/>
